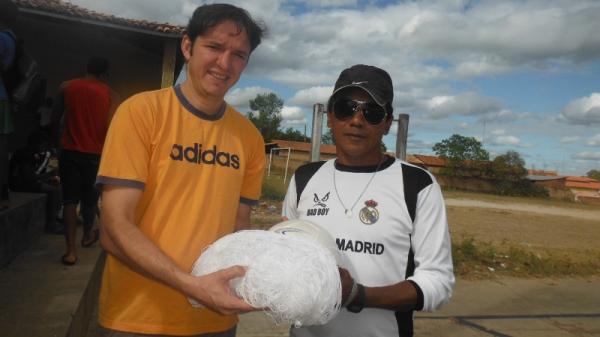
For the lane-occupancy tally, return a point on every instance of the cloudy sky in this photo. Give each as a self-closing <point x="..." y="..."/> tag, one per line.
<point x="517" y="75"/>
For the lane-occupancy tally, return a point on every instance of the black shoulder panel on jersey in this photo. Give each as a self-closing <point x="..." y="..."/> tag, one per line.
<point x="303" y="175"/>
<point x="415" y="180"/>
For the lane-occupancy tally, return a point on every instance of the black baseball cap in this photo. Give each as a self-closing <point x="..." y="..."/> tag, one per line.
<point x="375" y="81"/>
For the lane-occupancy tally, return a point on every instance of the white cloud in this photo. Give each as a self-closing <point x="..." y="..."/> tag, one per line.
<point x="507" y="140"/>
<point x="330" y="3"/>
<point x="240" y="97"/>
<point x="483" y="66"/>
<point x="292" y="113"/>
<point x="308" y="97"/>
<point x="587" y="156"/>
<point x="594" y="141"/>
<point x="584" y="110"/>
<point x="465" y="104"/>
<point x="501" y="138"/>
<point x="501" y="116"/>
<point x="570" y="139"/>
<point x="418" y="146"/>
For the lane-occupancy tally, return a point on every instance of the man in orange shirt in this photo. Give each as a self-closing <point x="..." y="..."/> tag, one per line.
<point x="180" y="169"/>
<point x="88" y="104"/>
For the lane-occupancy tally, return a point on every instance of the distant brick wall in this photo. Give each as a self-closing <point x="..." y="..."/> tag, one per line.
<point x="560" y="193"/>
<point x="467" y="183"/>
<point x="589" y="200"/>
<point x="554" y="184"/>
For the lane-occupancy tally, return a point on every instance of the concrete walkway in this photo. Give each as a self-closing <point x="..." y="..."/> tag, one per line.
<point x="39" y="296"/>
<point x="502" y="308"/>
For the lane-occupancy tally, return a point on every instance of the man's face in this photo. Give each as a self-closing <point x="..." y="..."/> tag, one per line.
<point x="358" y="141"/>
<point x="216" y="59"/>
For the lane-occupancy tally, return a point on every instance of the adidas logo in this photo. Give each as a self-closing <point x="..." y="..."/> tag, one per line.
<point x="194" y="154"/>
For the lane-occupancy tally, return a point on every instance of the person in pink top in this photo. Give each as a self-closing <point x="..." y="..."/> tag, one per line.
<point x="87" y="104"/>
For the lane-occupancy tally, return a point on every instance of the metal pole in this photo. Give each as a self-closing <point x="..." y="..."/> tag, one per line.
<point x="402" y="136"/>
<point x="317" y="130"/>
<point x="270" y="160"/>
<point x="287" y="162"/>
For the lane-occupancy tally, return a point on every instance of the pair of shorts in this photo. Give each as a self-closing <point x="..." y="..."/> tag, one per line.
<point x="78" y="177"/>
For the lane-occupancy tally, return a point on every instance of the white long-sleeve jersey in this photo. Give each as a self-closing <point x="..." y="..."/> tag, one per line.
<point x="397" y="231"/>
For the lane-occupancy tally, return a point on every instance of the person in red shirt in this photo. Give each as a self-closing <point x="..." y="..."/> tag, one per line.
<point x="87" y="104"/>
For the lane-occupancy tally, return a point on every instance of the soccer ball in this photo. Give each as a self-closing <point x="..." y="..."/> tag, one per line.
<point x="309" y="230"/>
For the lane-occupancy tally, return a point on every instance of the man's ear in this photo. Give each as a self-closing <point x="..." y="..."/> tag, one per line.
<point x="388" y="123"/>
<point x="329" y="117"/>
<point x="186" y="47"/>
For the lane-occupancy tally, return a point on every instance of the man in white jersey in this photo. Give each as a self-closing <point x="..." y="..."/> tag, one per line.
<point x="386" y="215"/>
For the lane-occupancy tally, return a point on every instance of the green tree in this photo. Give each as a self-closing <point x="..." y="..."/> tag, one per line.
<point x="461" y="148"/>
<point x="463" y="155"/>
<point x="266" y="114"/>
<point x="594" y="174"/>
<point x="293" y="135"/>
<point x="509" y="166"/>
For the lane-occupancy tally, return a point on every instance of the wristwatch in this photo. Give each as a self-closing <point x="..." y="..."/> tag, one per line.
<point x="359" y="301"/>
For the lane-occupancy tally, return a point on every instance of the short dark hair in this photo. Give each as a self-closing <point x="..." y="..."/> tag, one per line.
<point x="97" y="66"/>
<point x="206" y="17"/>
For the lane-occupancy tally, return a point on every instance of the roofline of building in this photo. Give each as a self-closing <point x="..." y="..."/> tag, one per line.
<point x="100" y="23"/>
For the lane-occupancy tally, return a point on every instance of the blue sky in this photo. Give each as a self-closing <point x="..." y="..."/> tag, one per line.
<point x="517" y="75"/>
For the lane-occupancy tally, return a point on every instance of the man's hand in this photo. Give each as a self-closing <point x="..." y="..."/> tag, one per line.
<point x="347" y="282"/>
<point x="213" y="291"/>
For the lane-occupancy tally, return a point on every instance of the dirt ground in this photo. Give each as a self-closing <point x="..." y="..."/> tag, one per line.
<point x="565" y="230"/>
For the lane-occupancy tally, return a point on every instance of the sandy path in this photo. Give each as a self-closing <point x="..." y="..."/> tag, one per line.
<point x="548" y="210"/>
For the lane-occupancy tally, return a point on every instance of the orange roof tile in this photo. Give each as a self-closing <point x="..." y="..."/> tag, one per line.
<point x="586" y="185"/>
<point x="582" y="179"/>
<point x="59" y="7"/>
<point x="431" y="160"/>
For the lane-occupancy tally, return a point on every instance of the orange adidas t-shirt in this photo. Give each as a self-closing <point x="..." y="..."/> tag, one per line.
<point x="194" y="170"/>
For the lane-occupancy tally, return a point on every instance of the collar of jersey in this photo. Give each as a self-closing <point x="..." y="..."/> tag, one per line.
<point x="388" y="161"/>
<point x="189" y="107"/>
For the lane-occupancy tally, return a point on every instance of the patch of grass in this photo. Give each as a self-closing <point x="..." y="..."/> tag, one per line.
<point x="481" y="260"/>
<point x="273" y="187"/>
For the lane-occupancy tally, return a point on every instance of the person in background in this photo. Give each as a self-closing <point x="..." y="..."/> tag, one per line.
<point x="386" y="215"/>
<point x="180" y="169"/>
<point x="88" y="104"/>
<point x="8" y="45"/>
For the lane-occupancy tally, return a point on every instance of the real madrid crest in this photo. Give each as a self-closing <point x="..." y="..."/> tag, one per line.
<point x="369" y="214"/>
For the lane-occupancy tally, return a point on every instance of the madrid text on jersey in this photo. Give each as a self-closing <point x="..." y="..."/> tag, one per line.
<point x="358" y="246"/>
<point x="195" y="154"/>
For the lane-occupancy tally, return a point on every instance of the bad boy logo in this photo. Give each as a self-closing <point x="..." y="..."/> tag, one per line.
<point x="320" y="207"/>
<point x="369" y="214"/>
<point x="320" y="202"/>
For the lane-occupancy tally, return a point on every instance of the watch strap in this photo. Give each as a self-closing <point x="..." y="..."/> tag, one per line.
<point x="359" y="301"/>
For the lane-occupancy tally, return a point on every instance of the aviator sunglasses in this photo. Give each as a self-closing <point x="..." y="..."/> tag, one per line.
<point x="344" y="109"/>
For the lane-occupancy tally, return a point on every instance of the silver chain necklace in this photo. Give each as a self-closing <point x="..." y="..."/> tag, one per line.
<point x="348" y="211"/>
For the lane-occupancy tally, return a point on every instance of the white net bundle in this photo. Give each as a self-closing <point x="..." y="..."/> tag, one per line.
<point x="295" y="278"/>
